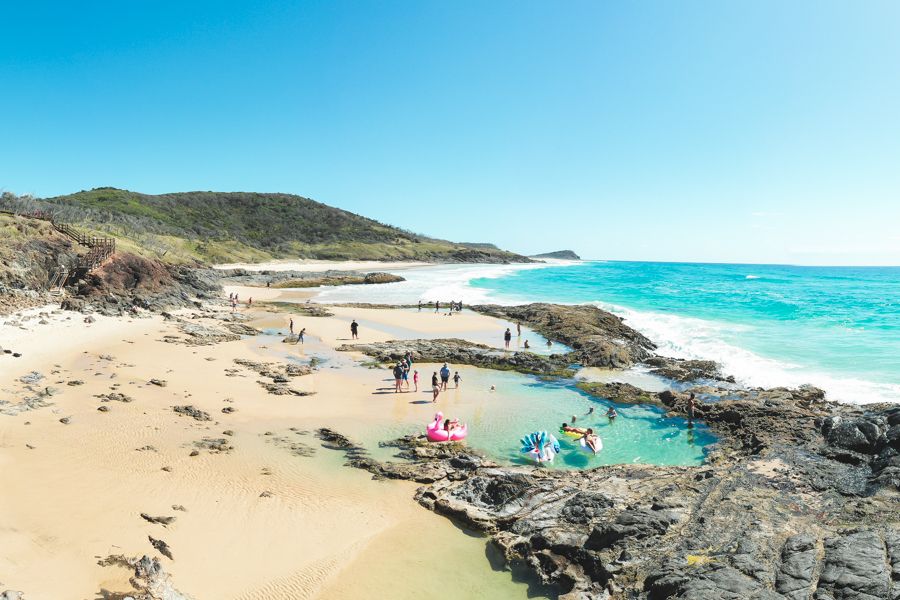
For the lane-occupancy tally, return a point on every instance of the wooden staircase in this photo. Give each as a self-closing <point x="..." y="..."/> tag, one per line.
<point x="100" y="250"/>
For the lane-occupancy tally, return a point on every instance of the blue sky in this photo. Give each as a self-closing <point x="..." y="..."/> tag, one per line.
<point x="701" y="131"/>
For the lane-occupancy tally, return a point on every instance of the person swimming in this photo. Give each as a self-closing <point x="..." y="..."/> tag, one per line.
<point x="567" y="429"/>
<point x="590" y="410"/>
<point x="591" y="440"/>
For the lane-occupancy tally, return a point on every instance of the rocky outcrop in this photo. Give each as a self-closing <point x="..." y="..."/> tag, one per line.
<point x="462" y="352"/>
<point x="149" y="580"/>
<point x="299" y="279"/>
<point x="621" y="393"/>
<point x="128" y="281"/>
<point x="278" y="375"/>
<point x="598" y="338"/>
<point x="684" y="370"/>
<point x="797" y="500"/>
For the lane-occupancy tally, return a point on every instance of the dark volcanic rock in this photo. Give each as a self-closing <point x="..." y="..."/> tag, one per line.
<point x="856" y="567"/>
<point x="623" y="393"/>
<point x="798" y="567"/>
<point x="457" y="351"/>
<point x="679" y="369"/>
<point x="598" y="338"/>
<point x="760" y="521"/>
<point x="192" y="411"/>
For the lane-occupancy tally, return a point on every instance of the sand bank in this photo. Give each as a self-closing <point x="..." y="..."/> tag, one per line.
<point x="271" y="516"/>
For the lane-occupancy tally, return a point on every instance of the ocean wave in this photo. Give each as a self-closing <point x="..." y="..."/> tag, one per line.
<point x="687" y="337"/>
<point x="752" y="277"/>
<point x="442" y="283"/>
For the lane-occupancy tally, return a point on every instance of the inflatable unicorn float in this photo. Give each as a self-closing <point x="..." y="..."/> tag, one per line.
<point x="540" y="446"/>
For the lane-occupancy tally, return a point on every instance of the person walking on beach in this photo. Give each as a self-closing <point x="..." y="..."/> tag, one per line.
<point x="250" y="302"/>
<point x="405" y="376"/>
<point x="398" y="375"/>
<point x="445" y="376"/>
<point x="420" y="306"/>
<point x="435" y="388"/>
<point x="507" y="337"/>
<point x="456" y="379"/>
<point x="292" y="326"/>
<point x="354" y="329"/>
<point x="416" y="380"/>
<point x="300" y="336"/>
<point x="437" y="306"/>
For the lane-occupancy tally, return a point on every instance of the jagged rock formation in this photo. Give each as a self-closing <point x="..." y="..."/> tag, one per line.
<point x="809" y="512"/>
<point x="598" y="338"/>
<point x="459" y="351"/>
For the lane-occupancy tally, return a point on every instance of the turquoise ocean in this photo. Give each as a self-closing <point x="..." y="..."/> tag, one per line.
<point x="769" y="325"/>
<point x="834" y="327"/>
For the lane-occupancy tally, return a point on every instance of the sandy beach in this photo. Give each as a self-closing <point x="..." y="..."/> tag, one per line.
<point x="260" y="510"/>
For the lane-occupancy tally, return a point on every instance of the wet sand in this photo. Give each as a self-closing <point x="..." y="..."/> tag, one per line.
<point x="277" y="517"/>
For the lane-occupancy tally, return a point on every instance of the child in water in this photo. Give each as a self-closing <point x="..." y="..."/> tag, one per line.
<point x="611" y="413"/>
<point x="456" y="379"/>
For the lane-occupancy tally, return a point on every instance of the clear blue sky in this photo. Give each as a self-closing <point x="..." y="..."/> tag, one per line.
<point x="706" y="131"/>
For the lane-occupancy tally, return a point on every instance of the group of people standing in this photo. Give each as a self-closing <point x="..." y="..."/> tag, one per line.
<point x="451" y="306"/>
<point x="233" y="300"/>
<point x="440" y="379"/>
<point x="507" y="337"/>
<point x="401" y="373"/>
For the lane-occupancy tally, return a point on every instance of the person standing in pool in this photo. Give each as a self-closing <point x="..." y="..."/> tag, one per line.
<point x="445" y="376"/>
<point x="611" y="413"/>
<point x="526" y="345"/>
<point x="507" y="337"/>
<point x="292" y="327"/>
<point x="456" y="379"/>
<point x="405" y="375"/>
<point x="354" y="329"/>
<point x="691" y="406"/>
<point x="518" y="329"/>
<point x="435" y="388"/>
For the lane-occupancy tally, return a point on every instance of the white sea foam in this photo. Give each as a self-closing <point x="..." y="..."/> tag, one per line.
<point x="686" y="337"/>
<point x="442" y="283"/>
<point x="752" y="277"/>
<point x="678" y="336"/>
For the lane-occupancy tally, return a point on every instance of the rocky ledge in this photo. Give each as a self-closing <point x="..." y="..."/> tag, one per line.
<point x="459" y="351"/>
<point x="598" y="338"/>
<point x="300" y="279"/>
<point x="799" y="500"/>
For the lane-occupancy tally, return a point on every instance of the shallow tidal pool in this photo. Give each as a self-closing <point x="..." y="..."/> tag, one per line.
<point x="521" y="404"/>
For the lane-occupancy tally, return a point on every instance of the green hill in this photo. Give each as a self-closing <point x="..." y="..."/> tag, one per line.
<point x="221" y="227"/>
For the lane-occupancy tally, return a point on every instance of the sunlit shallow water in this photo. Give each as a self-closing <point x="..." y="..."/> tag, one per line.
<point x="521" y="404"/>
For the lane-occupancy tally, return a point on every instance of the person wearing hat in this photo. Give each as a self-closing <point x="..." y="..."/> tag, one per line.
<point x="445" y="376"/>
